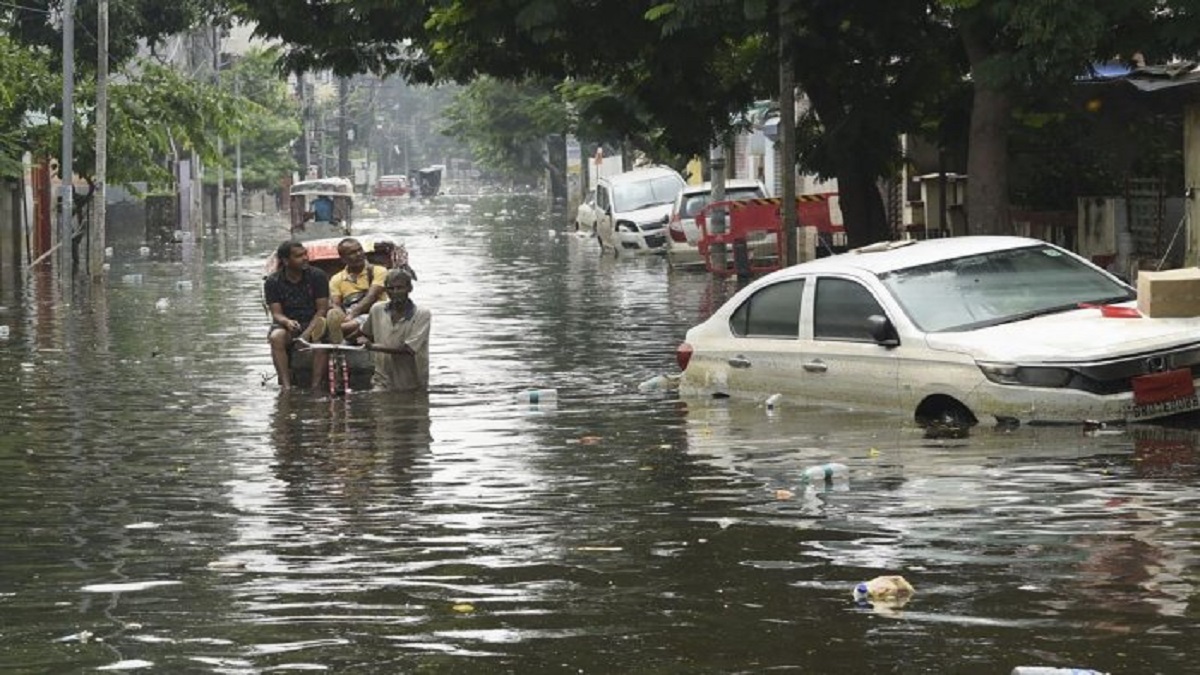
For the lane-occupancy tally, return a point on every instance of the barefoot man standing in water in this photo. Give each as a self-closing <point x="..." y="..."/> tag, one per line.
<point x="398" y="332"/>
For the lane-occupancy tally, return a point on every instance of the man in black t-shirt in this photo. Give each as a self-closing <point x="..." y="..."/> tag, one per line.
<point x="298" y="296"/>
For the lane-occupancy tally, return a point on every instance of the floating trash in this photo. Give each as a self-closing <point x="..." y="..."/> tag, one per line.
<point x="132" y="279"/>
<point x="828" y="472"/>
<point x="538" y="396"/>
<point x="162" y="305"/>
<point x="184" y="284"/>
<point x="1050" y="670"/>
<point x="772" y="401"/>
<point x="888" y="588"/>
<point x="4" y="332"/>
<point x="108" y="252"/>
<point x="144" y="251"/>
<point x="659" y="383"/>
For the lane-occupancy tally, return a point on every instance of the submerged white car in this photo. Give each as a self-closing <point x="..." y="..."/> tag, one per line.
<point x="951" y="331"/>
<point x="632" y="208"/>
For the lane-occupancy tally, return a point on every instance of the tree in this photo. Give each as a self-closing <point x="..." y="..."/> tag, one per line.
<point x="27" y="85"/>
<point x="678" y="75"/>
<point x="267" y="123"/>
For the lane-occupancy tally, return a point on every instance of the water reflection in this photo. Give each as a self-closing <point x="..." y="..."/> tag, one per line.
<point x="232" y="528"/>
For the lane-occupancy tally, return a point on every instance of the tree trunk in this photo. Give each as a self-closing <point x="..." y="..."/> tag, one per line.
<point x="987" y="153"/>
<point x="987" y="163"/>
<point x="863" y="214"/>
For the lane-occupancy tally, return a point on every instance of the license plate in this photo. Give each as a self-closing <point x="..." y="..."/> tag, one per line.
<point x="1163" y="387"/>
<point x="1162" y="409"/>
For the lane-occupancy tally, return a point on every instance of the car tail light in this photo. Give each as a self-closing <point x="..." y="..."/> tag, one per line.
<point x="677" y="234"/>
<point x="683" y="355"/>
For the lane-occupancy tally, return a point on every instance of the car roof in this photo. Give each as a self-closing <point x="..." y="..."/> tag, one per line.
<point x="734" y="183"/>
<point x="642" y="174"/>
<point x="885" y="257"/>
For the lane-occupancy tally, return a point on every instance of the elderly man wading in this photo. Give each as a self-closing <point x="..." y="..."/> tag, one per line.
<point x="398" y="332"/>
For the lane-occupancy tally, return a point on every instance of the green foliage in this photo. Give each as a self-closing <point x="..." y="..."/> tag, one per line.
<point x="161" y="113"/>
<point x="267" y="123"/>
<point x="37" y="24"/>
<point x="27" y="84"/>
<point x="505" y="125"/>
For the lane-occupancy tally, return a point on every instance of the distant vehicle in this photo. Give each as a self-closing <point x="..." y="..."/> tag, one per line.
<point x="633" y="208"/>
<point x="585" y="215"/>
<point x="952" y="331"/>
<point x="391" y="186"/>
<point x="683" y="234"/>
<point x="321" y="208"/>
<point x="429" y="180"/>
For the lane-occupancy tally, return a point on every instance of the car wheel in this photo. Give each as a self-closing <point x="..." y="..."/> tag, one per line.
<point x="943" y="414"/>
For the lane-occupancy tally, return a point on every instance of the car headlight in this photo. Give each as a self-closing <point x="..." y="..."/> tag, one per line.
<point x="1028" y="376"/>
<point x="626" y="226"/>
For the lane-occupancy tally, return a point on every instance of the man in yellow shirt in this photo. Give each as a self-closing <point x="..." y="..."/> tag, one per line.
<point x="353" y="291"/>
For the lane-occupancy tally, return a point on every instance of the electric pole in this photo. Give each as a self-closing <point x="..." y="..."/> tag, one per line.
<point x="96" y="250"/>
<point x="787" y="132"/>
<point x="65" y="165"/>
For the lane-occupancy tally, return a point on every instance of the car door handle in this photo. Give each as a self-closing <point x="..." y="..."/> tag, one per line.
<point x="739" y="361"/>
<point x="817" y="366"/>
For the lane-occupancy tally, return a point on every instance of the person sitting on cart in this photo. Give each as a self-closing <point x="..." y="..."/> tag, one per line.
<point x="353" y="291"/>
<point x="297" y="296"/>
<point x="322" y="209"/>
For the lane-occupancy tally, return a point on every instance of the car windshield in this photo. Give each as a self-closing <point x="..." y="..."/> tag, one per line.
<point x="999" y="287"/>
<point x="693" y="204"/>
<point x="646" y="193"/>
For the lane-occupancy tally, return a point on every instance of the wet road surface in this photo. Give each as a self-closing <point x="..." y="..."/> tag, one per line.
<point x="164" y="508"/>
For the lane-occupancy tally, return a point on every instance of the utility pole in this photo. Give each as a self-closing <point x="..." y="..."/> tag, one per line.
<point x="66" y="164"/>
<point x="717" y="251"/>
<point x="237" y="186"/>
<point x="343" y="169"/>
<point x="219" y="205"/>
<point x="787" y="132"/>
<point x="96" y="250"/>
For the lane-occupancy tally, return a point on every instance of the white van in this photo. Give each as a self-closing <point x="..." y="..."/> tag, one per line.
<point x="633" y="208"/>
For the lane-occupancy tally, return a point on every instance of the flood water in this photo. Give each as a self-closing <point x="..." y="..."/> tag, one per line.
<point x="164" y="508"/>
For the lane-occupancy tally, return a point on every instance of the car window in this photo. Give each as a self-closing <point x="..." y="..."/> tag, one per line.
<point x="998" y="287"/>
<point x="841" y="310"/>
<point x="602" y="198"/>
<point x="773" y="311"/>
<point x="643" y="194"/>
<point x="694" y="204"/>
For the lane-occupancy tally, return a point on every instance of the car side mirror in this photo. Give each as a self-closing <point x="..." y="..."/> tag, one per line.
<point x="882" y="331"/>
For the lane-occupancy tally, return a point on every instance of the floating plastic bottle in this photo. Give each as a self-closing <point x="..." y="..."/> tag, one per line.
<point x="773" y="400"/>
<point x="184" y="284"/>
<point x="1051" y="670"/>
<point x="538" y="396"/>
<point x="832" y="471"/>
<point x="132" y="279"/>
<point x="659" y="383"/>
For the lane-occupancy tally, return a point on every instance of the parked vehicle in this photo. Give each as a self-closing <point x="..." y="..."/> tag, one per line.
<point x="683" y="234"/>
<point x="633" y="208"/>
<point x="382" y="252"/>
<point x="391" y="186"/>
<point x="952" y="331"/>
<point x="321" y="208"/>
<point x="585" y="215"/>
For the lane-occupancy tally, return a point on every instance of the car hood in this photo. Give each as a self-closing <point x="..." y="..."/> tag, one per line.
<point x="1072" y="336"/>
<point x="649" y="214"/>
